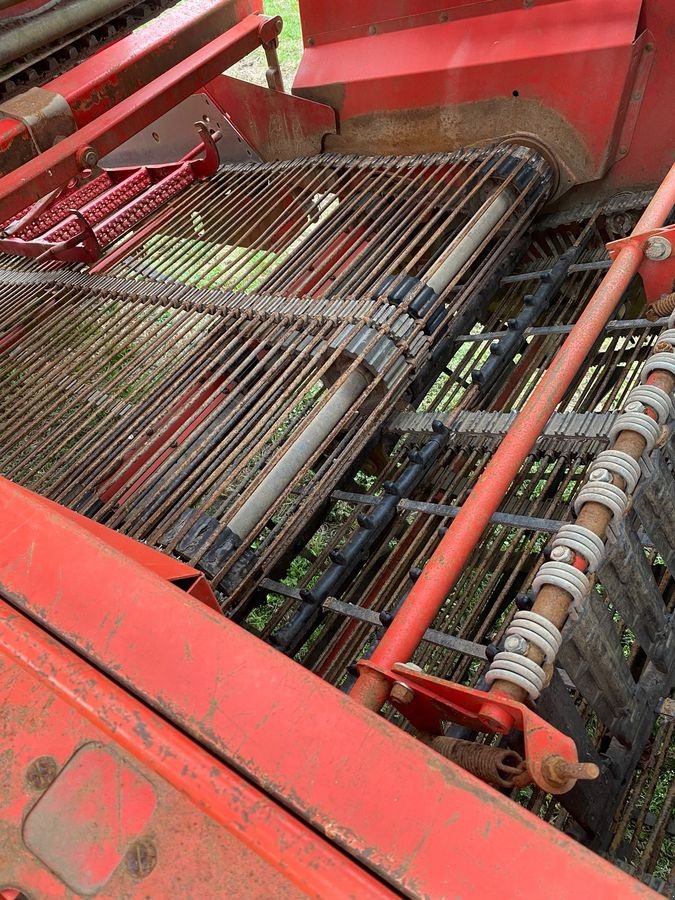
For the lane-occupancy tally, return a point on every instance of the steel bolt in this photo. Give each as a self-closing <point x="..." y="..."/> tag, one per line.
<point x="88" y="157"/>
<point x="401" y="693"/>
<point x="141" y="858"/>
<point x="603" y="475"/>
<point x="562" y="554"/>
<point x="559" y="771"/>
<point x="41" y="772"/>
<point x="658" y="248"/>
<point x="634" y="406"/>
<point x="372" y="29"/>
<point x="514" y="643"/>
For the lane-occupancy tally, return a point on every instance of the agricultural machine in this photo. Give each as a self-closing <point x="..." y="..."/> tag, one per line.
<point x="337" y="450"/>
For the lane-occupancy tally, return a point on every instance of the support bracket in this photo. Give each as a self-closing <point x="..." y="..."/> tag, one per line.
<point x="657" y="268"/>
<point x="551" y="757"/>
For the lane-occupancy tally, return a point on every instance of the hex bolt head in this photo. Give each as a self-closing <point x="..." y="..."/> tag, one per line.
<point x="603" y="475"/>
<point x="41" y="772"/>
<point x="141" y="858"/>
<point x="87" y="157"/>
<point x="634" y="406"/>
<point x="658" y="248"/>
<point x="401" y="693"/>
<point x="562" y="554"/>
<point x="515" y="643"/>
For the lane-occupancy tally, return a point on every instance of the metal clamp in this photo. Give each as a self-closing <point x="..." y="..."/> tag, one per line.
<point x="583" y="541"/>
<point x="45" y="114"/>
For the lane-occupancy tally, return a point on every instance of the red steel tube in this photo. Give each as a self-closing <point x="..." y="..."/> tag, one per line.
<point x="53" y="168"/>
<point x="446" y="564"/>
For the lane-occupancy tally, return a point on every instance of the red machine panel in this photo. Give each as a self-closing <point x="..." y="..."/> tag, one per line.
<point x="572" y="75"/>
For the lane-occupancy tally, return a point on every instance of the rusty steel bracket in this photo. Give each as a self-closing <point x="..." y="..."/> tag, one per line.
<point x="550" y="756"/>
<point x="46" y="115"/>
<point x="657" y="268"/>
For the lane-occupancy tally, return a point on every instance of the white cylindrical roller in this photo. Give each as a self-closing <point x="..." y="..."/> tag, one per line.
<point x="608" y="495"/>
<point x="621" y="464"/>
<point x="663" y="361"/>
<point x="538" y="631"/>
<point x="654" y="397"/>
<point x="301" y="450"/>
<point x="668" y="336"/>
<point x="462" y="249"/>
<point x="641" y="424"/>
<point x="518" y="670"/>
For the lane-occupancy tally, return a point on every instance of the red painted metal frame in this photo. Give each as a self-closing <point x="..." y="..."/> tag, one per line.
<point x="426" y="74"/>
<point x="115" y="72"/>
<point x="419" y="822"/>
<point x="56" y="166"/>
<point x="54" y="703"/>
<point x="327" y="22"/>
<point x="446" y="564"/>
<point x="190" y="580"/>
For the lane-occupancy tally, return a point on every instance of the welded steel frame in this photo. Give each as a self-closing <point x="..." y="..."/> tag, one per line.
<point x="242" y="705"/>
<point x="81" y="151"/>
<point x="440" y="70"/>
<point x="120" y="69"/>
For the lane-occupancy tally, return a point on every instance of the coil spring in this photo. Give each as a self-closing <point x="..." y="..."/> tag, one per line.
<point x="581" y="540"/>
<point x="538" y="631"/>
<point x="517" y="670"/>
<point x="494" y="765"/>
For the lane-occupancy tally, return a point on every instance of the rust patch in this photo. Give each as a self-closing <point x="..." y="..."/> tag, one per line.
<point x="447" y="128"/>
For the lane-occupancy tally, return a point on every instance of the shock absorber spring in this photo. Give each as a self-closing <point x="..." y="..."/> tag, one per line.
<point x="497" y="766"/>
